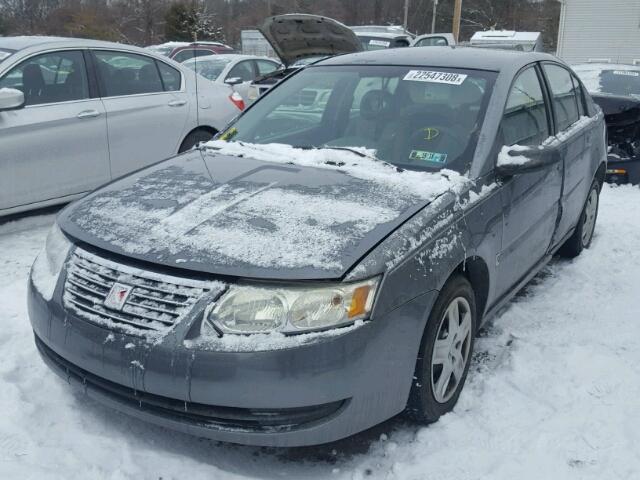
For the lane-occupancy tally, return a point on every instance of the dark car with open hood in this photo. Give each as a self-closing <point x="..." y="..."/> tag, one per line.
<point x="326" y="262"/>
<point x="616" y="89"/>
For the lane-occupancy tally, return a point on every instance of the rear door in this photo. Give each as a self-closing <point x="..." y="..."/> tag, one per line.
<point x="56" y="145"/>
<point x="530" y="200"/>
<point x="575" y="143"/>
<point x="147" y="108"/>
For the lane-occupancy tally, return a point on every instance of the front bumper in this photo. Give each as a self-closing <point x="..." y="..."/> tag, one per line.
<point x="310" y="394"/>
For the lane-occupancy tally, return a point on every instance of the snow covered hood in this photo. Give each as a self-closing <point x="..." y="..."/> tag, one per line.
<point x="271" y="212"/>
<point x="296" y="36"/>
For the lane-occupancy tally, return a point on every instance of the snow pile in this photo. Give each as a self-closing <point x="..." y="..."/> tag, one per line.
<point x="362" y="165"/>
<point x="552" y="393"/>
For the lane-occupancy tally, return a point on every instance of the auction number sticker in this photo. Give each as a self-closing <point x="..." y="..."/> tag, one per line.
<point x="626" y="72"/>
<point x="379" y="43"/>
<point x="435" y="77"/>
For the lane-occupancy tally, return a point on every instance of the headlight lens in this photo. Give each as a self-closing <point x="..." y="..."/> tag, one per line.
<point x="246" y="310"/>
<point x="48" y="264"/>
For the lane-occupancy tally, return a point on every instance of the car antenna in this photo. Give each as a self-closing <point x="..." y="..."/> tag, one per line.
<point x="195" y="71"/>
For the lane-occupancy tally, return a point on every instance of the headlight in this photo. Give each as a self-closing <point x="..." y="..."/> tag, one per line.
<point x="48" y="263"/>
<point x="247" y="310"/>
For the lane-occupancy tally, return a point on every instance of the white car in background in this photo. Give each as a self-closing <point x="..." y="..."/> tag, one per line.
<point x="237" y="71"/>
<point x="75" y="114"/>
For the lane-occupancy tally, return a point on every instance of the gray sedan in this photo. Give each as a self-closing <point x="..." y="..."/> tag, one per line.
<point x="325" y="263"/>
<point x="75" y="114"/>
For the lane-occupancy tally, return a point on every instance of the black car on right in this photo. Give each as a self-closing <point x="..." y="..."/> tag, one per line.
<point x="616" y="89"/>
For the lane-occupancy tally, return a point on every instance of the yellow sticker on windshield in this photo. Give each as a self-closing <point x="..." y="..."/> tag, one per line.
<point x="229" y="134"/>
<point x="425" y="156"/>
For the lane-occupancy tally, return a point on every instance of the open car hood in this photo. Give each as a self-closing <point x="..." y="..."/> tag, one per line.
<point x="296" y="36"/>
<point x="241" y="217"/>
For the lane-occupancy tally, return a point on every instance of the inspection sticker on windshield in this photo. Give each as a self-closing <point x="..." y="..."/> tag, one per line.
<point x="435" y="77"/>
<point x="425" y="156"/>
<point x="626" y="72"/>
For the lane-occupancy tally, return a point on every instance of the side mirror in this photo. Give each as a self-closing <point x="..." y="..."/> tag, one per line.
<point x="517" y="159"/>
<point x="233" y="81"/>
<point x="11" y="99"/>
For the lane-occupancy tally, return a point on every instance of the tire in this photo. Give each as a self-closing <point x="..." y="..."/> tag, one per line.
<point x="583" y="234"/>
<point x="432" y="395"/>
<point x="194" y="138"/>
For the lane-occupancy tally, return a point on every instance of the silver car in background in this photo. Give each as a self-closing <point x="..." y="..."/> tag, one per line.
<point x="75" y="114"/>
<point x="237" y="71"/>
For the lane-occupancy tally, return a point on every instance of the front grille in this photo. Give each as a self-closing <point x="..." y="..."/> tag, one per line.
<point x="155" y="303"/>
<point x="198" y="414"/>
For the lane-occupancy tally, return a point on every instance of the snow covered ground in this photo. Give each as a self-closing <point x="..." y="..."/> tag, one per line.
<point x="554" y="392"/>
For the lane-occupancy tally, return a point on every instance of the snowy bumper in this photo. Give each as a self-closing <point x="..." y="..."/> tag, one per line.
<point x="306" y="394"/>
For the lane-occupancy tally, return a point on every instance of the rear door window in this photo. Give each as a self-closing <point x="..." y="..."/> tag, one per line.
<point x="264" y="66"/>
<point x="243" y="71"/>
<point x="565" y="96"/>
<point x="50" y="78"/>
<point x="188" y="53"/>
<point x="525" y="119"/>
<point x="127" y="74"/>
<point x="171" y="78"/>
<point x="432" y="42"/>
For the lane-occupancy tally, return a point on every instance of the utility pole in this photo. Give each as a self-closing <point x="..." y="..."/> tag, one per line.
<point x="406" y="14"/>
<point x="457" y="13"/>
<point x="433" y="18"/>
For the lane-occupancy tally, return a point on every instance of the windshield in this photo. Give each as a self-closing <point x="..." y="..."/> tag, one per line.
<point x="210" y="68"/>
<point x="611" y="79"/>
<point x="417" y="118"/>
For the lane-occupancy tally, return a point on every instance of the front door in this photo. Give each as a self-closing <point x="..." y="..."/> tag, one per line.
<point x="56" y="145"/>
<point x="530" y="200"/>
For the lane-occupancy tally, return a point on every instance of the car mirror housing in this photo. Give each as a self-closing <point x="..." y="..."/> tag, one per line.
<point x="517" y="159"/>
<point x="233" y="81"/>
<point x="11" y="99"/>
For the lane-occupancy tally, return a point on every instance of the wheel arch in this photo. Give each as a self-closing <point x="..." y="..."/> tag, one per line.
<point x="203" y="128"/>
<point x="476" y="271"/>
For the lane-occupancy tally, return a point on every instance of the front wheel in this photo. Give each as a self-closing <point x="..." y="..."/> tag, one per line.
<point x="445" y="352"/>
<point x="583" y="234"/>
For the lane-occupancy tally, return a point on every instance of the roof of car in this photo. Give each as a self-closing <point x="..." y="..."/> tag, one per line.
<point x="22" y="42"/>
<point x="604" y="66"/>
<point x="229" y="57"/>
<point x="452" y="57"/>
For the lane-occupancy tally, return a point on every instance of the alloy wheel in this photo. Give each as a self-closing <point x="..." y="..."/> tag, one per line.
<point x="451" y="349"/>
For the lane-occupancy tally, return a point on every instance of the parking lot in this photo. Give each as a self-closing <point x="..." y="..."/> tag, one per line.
<point x="552" y="391"/>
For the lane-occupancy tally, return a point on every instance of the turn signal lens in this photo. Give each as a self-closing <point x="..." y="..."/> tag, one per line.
<point x="359" y="301"/>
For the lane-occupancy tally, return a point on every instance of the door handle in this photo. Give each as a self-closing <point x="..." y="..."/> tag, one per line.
<point x="177" y="103"/>
<point x="88" y="114"/>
